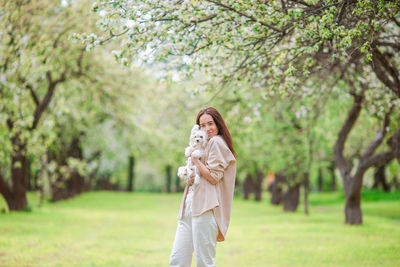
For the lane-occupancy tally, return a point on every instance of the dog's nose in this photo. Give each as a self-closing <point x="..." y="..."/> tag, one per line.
<point x="197" y="141"/>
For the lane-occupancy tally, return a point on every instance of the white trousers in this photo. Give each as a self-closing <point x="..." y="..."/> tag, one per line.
<point x="195" y="233"/>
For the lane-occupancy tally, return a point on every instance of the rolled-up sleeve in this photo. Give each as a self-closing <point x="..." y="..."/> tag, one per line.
<point x="216" y="161"/>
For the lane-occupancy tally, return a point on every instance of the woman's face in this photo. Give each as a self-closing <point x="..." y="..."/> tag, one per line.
<point x="207" y="124"/>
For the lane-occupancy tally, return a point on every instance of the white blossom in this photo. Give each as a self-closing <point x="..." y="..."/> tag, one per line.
<point x="247" y="119"/>
<point x="64" y="3"/>
<point x="102" y="13"/>
<point x="131" y="23"/>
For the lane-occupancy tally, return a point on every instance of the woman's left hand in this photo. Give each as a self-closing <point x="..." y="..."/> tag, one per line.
<point x="196" y="161"/>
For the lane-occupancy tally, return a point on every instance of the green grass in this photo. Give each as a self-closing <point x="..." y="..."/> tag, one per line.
<point x="125" y="229"/>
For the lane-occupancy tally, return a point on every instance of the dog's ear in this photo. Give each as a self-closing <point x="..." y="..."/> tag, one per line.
<point x="195" y="127"/>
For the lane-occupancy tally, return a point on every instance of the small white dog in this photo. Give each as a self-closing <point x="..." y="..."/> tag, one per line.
<point x="197" y="144"/>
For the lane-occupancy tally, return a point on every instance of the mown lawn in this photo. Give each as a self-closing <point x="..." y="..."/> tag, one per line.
<point x="137" y="229"/>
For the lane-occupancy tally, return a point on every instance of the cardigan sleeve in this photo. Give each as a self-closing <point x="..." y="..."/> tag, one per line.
<point x="218" y="158"/>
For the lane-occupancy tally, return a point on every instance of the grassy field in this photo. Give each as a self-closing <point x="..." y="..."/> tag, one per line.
<point x="125" y="229"/>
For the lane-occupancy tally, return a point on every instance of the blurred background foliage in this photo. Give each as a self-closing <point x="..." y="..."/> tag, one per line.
<point x="102" y="95"/>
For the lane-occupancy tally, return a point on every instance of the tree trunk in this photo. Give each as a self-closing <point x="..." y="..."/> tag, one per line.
<point x="276" y="189"/>
<point x="74" y="183"/>
<point x="77" y="184"/>
<point x="168" y="178"/>
<point x="353" y="210"/>
<point x="369" y="157"/>
<point x="258" y="186"/>
<point x="306" y="190"/>
<point x="19" y="175"/>
<point x="131" y="173"/>
<point x="291" y="198"/>
<point x="58" y="194"/>
<point x="91" y="181"/>
<point x="248" y="186"/>
<point x="353" y="213"/>
<point x="16" y="202"/>
<point x="320" y="181"/>
<point x="178" y="184"/>
<point x="395" y="182"/>
<point x="35" y="180"/>
<point x="103" y="183"/>
<point x="380" y="179"/>
<point x="394" y="143"/>
<point x="29" y="178"/>
<point x="333" y="177"/>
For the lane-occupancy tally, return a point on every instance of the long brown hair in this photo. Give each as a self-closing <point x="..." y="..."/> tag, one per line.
<point x="221" y="126"/>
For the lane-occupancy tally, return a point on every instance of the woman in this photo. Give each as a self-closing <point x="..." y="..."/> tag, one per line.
<point x="206" y="207"/>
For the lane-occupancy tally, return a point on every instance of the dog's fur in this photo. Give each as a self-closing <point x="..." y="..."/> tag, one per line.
<point x="197" y="144"/>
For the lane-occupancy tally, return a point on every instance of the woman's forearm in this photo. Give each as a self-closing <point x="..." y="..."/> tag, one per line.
<point x="204" y="171"/>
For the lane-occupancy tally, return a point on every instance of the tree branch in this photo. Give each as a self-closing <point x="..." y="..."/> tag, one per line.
<point x="61" y="78"/>
<point x="113" y="35"/>
<point x="382" y="69"/>
<point x="57" y="39"/>
<point x="193" y="21"/>
<point x="204" y="19"/>
<point x="378" y="159"/>
<point x="341" y="11"/>
<point x="33" y="94"/>
<point x="244" y="15"/>
<point x="301" y="2"/>
<point x="196" y="49"/>
<point x="30" y="88"/>
<point x="283" y="5"/>
<point x="396" y="21"/>
<point x="46" y="99"/>
<point x="352" y="117"/>
<point x="380" y="135"/>
<point x="394" y="143"/>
